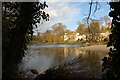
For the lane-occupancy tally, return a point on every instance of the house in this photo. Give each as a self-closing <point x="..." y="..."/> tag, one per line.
<point x="104" y="34"/>
<point x="74" y="37"/>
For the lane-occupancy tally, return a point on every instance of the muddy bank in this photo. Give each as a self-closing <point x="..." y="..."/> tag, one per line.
<point x="66" y="72"/>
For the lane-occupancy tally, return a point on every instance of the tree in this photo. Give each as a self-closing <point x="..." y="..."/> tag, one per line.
<point x="106" y="20"/>
<point x="18" y="19"/>
<point x="104" y="28"/>
<point x="58" y="31"/>
<point x="81" y="29"/>
<point x="37" y="38"/>
<point x="68" y="31"/>
<point x="59" y="28"/>
<point x="87" y="21"/>
<point x="95" y="29"/>
<point x="112" y="63"/>
<point x="48" y="36"/>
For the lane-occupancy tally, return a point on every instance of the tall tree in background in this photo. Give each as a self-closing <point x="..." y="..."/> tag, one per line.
<point x="58" y="31"/>
<point x="86" y="21"/>
<point x="18" y="19"/>
<point x="105" y="20"/>
<point x="95" y="30"/>
<point x="81" y="29"/>
<point x="48" y="36"/>
<point x="112" y="63"/>
<point x="59" y="28"/>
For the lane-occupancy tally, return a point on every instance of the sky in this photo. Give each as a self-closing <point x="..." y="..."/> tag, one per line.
<point x="70" y="13"/>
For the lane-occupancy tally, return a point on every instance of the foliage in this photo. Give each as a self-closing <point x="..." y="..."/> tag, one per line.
<point x="104" y="28"/>
<point x="59" y="28"/>
<point x="81" y="29"/>
<point x="111" y="63"/>
<point x="18" y="19"/>
<point x="48" y="36"/>
<point x="58" y="31"/>
<point x="94" y="29"/>
<point x="106" y="20"/>
<point x="56" y="34"/>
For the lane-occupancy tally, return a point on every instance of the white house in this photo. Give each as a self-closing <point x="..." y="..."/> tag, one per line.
<point x="104" y="34"/>
<point x="74" y="37"/>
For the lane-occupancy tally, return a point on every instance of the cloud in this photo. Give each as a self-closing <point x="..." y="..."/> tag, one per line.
<point x="59" y="12"/>
<point x="53" y="14"/>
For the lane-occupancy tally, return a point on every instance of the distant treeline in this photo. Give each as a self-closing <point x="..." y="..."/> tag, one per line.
<point x="56" y="34"/>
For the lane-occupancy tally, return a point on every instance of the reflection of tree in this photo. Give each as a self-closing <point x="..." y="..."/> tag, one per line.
<point x="59" y="56"/>
<point x="66" y="51"/>
<point x="91" y="62"/>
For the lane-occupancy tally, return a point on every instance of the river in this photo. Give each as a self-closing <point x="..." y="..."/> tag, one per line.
<point x="43" y="57"/>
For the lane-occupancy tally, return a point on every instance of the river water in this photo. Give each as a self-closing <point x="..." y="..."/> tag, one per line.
<point x="43" y="57"/>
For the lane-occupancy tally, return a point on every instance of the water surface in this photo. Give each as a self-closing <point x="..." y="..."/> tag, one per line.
<point x="43" y="57"/>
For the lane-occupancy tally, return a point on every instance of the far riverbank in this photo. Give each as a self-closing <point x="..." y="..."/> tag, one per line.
<point x="98" y="48"/>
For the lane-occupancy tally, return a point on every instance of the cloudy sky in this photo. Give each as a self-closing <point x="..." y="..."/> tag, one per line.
<point x="70" y="13"/>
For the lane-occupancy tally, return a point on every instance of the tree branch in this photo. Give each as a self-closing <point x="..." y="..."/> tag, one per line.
<point x="89" y="16"/>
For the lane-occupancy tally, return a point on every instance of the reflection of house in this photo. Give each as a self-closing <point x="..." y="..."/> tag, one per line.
<point x="74" y="37"/>
<point x="74" y="51"/>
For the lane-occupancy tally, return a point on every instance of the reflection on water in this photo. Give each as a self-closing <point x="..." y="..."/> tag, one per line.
<point x="43" y="58"/>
